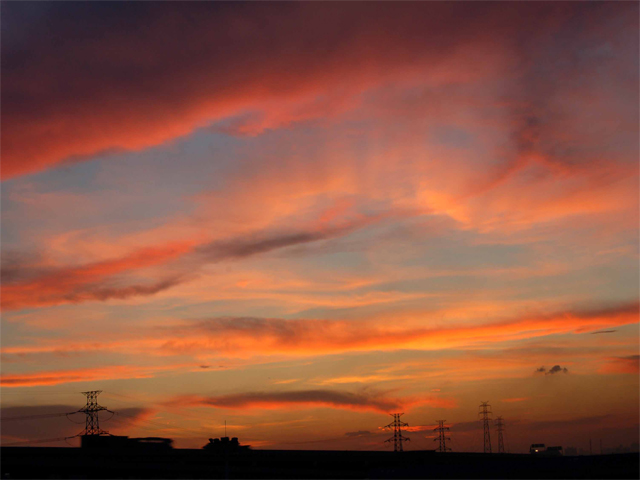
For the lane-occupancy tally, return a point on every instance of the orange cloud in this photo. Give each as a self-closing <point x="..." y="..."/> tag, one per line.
<point x="250" y="337"/>
<point x="80" y="375"/>
<point x="303" y="337"/>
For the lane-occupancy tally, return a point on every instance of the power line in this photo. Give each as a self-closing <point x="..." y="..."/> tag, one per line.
<point x="45" y="440"/>
<point x="38" y="417"/>
<point x="441" y="436"/>
<point x="91" y="410"/>
<point x="397" y="438"/>
<point x="486" y="412"/>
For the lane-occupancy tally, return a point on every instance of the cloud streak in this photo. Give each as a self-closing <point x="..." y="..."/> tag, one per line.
<point x="249" y="337"/>
<point x="91" y="282"/>
<point x="57" y="377"/>
<point x="362" y="401"/>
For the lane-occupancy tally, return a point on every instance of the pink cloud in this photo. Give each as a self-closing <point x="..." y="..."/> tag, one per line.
<point x="142" y="103"/>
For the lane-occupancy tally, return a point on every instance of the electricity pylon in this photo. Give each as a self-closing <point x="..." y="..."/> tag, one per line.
<point x="397" y="438"/>
<point x="91" y="410"/>
<point x="441" y="429"/>
<point x="486" y="412"/>
<point x="500" y="429"/>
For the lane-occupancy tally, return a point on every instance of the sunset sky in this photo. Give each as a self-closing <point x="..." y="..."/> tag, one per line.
<point x="301" y="217"/>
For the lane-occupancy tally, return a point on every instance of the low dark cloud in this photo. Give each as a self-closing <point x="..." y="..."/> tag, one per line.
<point x="101" y="293"/>
<point x="552" y="371"/>
<point x="302" y="398"/>
<point x="564" y="424"/>
<point x="79" y="293"/>
<point x="557" y="369"/>
<point x="522" y="425"/>
<point x="18" y="266"/>
<point x="264" y="242"/>
<point x="29" y="423"/>
<point x="629" y="364"/>
<point x="603" y="331"/>
<point x="246" y="247"/>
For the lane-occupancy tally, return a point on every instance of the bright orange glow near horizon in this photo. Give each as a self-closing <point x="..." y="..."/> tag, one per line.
<point x="299" y="218"/>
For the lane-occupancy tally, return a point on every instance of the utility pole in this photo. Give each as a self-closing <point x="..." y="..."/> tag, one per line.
<point x="397" y="438"/>
<point x="500" y="428"/>
<point x="441" y="429"/>
<point x="485" y="411"/>
<point x="91" y="410"/>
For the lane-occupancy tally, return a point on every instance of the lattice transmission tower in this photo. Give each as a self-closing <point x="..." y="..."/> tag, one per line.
<point x="485" y="411"/>
<point x="92" y="410"/>
<point x="500" y="428"/>
<point x="397" y="438"/>
<point x="441" y="429"/>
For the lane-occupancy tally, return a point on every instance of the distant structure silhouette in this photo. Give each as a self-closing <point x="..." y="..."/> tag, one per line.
<point x="485" y="411"/>
<point x="500" y="428"/>
<point x="91" y="410"/>
<point x="441" y="436"/>
<point x="397" y="438"/>
<point x="225" y="445"/>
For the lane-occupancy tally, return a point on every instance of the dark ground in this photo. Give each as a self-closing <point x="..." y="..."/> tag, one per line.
<point x="47" y="462"/>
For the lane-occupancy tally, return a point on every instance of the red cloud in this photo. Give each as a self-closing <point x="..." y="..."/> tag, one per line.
<point x="629" y="364"/>
<point x="94" y="84"/>
<point x="86" y="282"/>
<point x="80" y="375"/>
<point x="94" y="281"/>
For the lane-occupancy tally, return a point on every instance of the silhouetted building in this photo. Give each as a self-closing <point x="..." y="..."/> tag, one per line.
<point x="571" y="451"/>
<point x="554" y="451"/>
<point x="537" y="448"/>
<point x="225" y="445"/>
